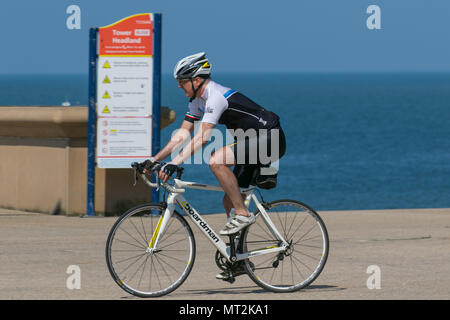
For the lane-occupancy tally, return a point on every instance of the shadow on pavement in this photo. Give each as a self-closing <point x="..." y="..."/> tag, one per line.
<point x="253" y="290"/>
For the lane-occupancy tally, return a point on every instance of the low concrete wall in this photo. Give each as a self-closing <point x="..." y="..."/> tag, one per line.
<point x="43" y="163"/>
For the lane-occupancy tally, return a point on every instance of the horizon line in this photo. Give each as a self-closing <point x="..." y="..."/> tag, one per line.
<point x="257" y="72"/>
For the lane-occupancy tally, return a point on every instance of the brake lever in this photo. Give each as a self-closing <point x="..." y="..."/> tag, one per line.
<point x="135" y="176"/>
<point x="157" y="181"/>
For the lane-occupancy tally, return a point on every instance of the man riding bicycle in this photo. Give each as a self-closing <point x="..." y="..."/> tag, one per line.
<point x="212" y="103"/>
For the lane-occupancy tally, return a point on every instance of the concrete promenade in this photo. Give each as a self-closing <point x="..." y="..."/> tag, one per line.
<point x="410" y="247"/>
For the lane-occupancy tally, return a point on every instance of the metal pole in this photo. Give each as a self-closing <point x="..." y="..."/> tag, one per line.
<point x="92" y="122"/>
<point x="156" y="135"/>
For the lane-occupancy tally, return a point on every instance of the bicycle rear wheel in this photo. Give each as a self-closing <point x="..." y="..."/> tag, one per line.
<point x="143" y="273"/>
<point x="305" y="256"/>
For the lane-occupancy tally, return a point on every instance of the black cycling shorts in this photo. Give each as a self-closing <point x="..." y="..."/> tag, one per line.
<point x="255" y="151"/>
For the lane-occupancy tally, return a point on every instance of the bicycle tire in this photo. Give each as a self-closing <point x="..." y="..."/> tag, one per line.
<point x="133" y="268"/>
<point x="303" y="228"/>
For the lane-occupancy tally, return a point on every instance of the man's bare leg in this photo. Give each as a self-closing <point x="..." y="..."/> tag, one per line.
<point x="228" y="205"/>
<point x="220" y="163"/>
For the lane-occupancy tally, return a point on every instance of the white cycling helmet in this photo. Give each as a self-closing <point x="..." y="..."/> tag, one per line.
<point x="196" y="65"/>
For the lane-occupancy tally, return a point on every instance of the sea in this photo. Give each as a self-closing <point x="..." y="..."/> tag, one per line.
<point x="356" y="141"/>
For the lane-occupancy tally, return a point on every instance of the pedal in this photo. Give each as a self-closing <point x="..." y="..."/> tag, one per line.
<point x="230" y="279"/>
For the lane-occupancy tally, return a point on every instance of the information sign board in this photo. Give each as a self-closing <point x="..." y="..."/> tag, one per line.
<point x="124" y="91"/>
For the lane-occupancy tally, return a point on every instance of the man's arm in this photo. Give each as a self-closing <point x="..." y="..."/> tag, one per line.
<point x="196" y="143"/>
<point x="176" y="141"/>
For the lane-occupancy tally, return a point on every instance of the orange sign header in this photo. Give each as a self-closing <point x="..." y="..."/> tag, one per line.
<point x="131" y="36"/>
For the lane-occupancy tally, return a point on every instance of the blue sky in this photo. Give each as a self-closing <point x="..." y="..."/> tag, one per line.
<point x="239" y="36"/>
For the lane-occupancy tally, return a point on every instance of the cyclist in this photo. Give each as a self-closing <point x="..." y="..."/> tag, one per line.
<point x="212" y="104"/>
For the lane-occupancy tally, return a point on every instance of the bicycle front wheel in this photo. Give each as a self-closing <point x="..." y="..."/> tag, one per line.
<point x="305" y="256"/>
<point x="149" y="273"/>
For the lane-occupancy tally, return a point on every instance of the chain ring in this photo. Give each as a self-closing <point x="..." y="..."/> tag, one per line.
<point x="222" y="262"/>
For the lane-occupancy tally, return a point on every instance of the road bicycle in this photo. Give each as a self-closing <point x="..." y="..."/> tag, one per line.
<point x="150" y="250"/>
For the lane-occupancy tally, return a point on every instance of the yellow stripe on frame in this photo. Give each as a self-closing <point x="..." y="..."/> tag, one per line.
<point x="155" y="234"/>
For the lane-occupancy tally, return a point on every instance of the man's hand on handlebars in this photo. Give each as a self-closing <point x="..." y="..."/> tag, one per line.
<point x="165" y="170"/>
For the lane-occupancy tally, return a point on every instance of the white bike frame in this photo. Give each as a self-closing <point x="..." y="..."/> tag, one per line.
<point x="175" y="197"/>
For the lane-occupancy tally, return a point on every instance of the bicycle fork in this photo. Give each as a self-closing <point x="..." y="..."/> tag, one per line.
<point x="159" y="230"/>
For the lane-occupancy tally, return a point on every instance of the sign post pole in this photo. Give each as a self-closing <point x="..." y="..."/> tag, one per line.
<point x="156" y="143"/>
<point x="92" y="122"/>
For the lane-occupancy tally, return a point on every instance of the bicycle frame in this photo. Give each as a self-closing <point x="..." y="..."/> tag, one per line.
<point x="175" y="198"/>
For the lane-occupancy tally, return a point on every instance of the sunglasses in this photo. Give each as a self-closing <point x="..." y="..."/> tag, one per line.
<point x="182" y="82"/>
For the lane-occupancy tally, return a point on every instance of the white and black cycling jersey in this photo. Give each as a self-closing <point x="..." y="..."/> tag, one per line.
<point x="223" y="105"/>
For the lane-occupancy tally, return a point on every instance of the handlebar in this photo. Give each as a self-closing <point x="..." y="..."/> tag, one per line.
<point x="154" y="167"/>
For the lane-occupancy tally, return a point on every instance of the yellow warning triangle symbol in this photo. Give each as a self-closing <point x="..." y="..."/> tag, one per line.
<point x="106" y="110"/>
<point x="106" y="65"/>
<point x="106" y="80"/>
<point x="106" y="95"/>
